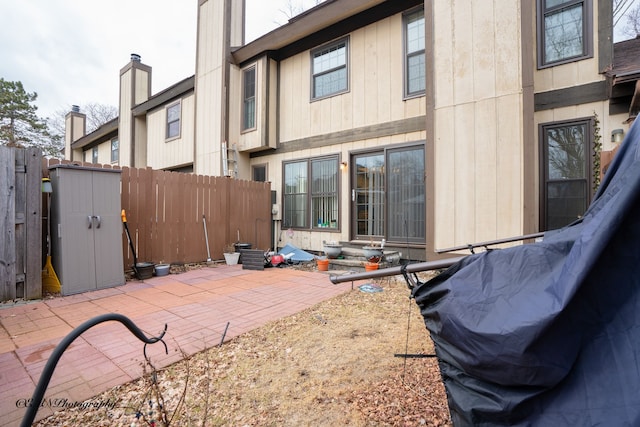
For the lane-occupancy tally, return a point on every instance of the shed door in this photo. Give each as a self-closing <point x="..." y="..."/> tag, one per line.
<point x="108" y="235"/>
<point x="75" y="231"/>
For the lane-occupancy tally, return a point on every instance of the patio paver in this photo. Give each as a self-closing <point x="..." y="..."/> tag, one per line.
<point x="196" y="306"/>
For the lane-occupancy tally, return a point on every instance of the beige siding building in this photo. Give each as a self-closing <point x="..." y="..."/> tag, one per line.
<point x="427" y="124"/>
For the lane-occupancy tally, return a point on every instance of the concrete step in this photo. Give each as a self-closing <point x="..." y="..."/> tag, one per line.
<point x="353" y="259"/>
<point x="352" y="264"/>
<point x="358" y="254"/>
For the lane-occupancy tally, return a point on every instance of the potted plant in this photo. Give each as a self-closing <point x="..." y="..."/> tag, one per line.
<point x="373" y="252"/>
<point x="370" y="266"/>
<point x="231" y="257"/>
<point x="322" y="263"/>
<point x="332" y="249"/>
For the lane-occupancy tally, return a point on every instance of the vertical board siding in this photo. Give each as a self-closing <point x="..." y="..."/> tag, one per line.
<point x="475" y="46"/>
<point x="373" y="87"/>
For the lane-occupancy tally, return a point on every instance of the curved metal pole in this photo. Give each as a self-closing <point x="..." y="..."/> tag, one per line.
<point x="393" y="271"/>
<point x="45" y="377"/>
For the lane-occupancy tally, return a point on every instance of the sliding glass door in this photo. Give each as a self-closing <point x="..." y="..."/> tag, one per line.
<point x="388" y="195"/>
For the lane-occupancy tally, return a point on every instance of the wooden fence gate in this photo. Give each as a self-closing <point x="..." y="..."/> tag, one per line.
<point x="20" y="223"/>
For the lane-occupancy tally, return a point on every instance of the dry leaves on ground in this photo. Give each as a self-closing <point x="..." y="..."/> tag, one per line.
<point x="333" y="364"/>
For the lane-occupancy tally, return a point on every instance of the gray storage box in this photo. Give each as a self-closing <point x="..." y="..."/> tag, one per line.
<point x="86" y="228"/>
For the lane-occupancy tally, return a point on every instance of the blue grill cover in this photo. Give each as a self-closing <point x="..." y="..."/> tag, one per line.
<point x="548" y="334"/>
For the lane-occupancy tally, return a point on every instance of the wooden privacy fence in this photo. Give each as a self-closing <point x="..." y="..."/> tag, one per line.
<point x="165" y="214"/>
<point x="165" y="211"/>
<point x="20" y="223"/>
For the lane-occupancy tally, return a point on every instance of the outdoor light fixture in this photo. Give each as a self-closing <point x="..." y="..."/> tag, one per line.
<point x="343" y="166"/>
<point x="617" y="135"/>
<point x="46" y="185"/>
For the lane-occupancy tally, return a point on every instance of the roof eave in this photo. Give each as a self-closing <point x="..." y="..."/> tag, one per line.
<point x="105" y="132"/>
<point x="178" y="90"/>
<point x="313" y="20"/>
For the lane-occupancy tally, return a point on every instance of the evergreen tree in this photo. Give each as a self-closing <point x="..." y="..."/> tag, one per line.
<point x="20" y="126"/>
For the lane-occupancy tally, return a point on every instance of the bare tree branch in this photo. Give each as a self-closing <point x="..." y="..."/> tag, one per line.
<point x="632" y="27"/>
<point x="295" y="7"/>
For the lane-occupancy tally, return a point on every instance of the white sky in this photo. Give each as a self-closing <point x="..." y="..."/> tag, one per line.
<point x="71" y="51"/>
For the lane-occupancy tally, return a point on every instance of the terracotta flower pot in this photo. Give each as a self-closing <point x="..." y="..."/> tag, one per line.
<point x="323" y="264"/>
<point x="370" y="266"/>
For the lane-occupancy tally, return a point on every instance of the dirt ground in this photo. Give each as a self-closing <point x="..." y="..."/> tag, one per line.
<point x="334" y="364"/>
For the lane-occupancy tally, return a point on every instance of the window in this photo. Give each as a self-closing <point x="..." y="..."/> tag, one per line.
<point x="259" y="173"/>
<point x="329" y="67"/>
<point x="295" y="195"/>
<point x="115" y="145"/>
<point x="324" y="193"/>
<point x="173" y="121"/>
<point x="566" y="174"/>
<point x="249" y="98"/>
<point x="564" y="31"/>
<point x="94" y="155"/>
<point x="414" y="53"/>
<point x="311" y="203"/>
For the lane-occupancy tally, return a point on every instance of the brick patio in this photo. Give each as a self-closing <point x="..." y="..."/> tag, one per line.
<point x="196" y="306"/>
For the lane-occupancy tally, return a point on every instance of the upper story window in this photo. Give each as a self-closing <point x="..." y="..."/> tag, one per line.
<point x="565" y="30"/>
<point x="414" y="53"/>
<point x="173" y="120"/>
<point x="329" y="65"/>
<point x="115" y="150"/>
<point x="249" y="98"/>
<point x="94" y="155"/>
